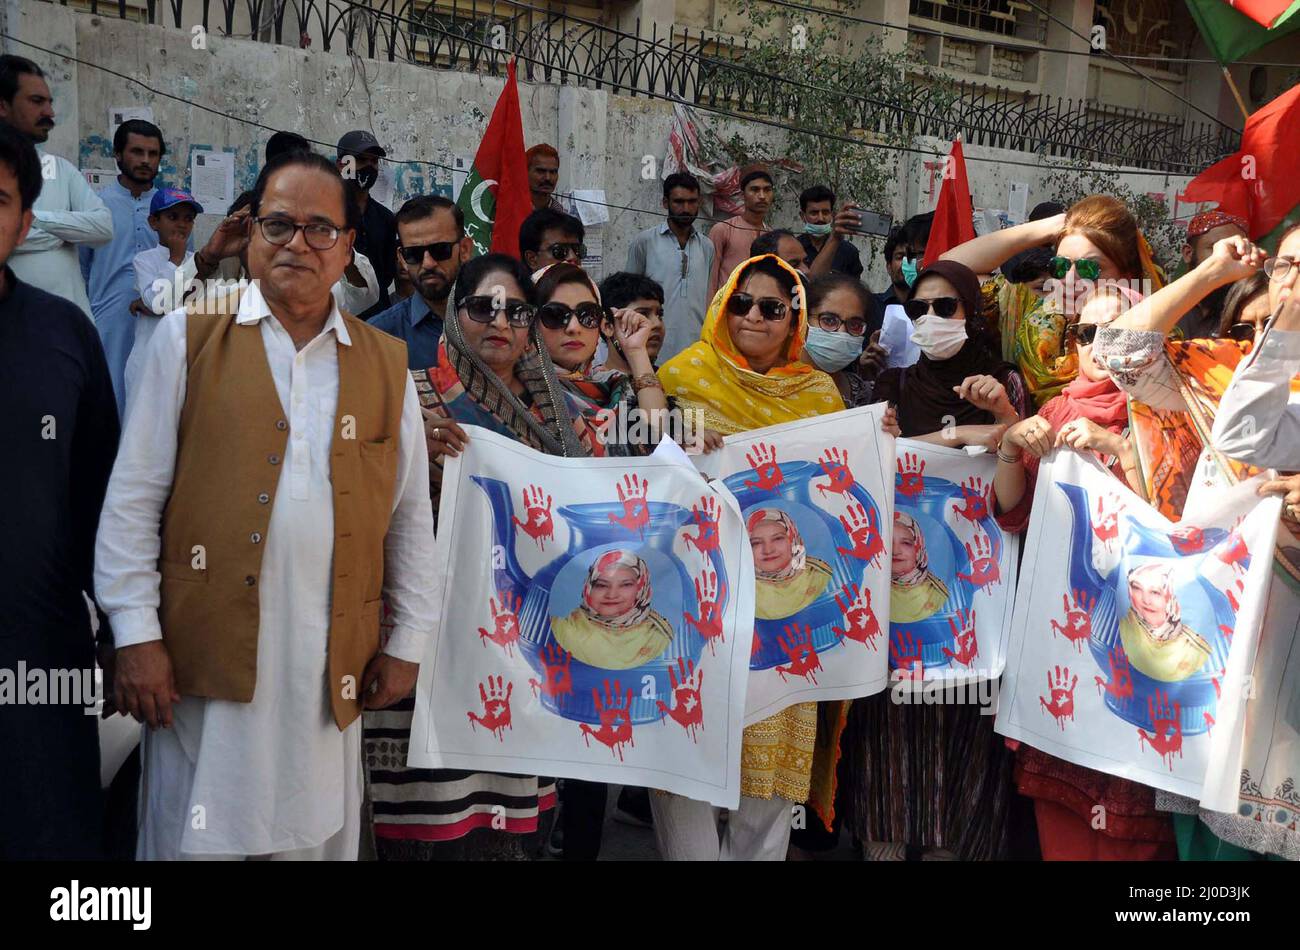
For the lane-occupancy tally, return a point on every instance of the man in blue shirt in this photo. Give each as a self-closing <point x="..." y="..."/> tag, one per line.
<point x="110" y="279"/>
<point x="432" y="244"/>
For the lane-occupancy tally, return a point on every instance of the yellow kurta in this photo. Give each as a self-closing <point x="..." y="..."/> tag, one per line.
<point x="1169" y="660"/>
<point x="910" y="604"/>
<point x="775" y="600"/>
<point x="608" y="648"/>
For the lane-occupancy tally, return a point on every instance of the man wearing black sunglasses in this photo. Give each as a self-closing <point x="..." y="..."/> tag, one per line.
<point x="550" y="237"/>
<point x="432" y="246"/>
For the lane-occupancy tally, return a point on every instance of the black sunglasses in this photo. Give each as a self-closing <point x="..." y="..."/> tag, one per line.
<point x="414" y="254"/>
<point x="1083" y="333"/>
<point x="556" y="316"/>
<point x="943" y="306"/>
<point x="483" y="309"/>
<point x="856" y="326"/>
<point x="1240" y="332"/>
<point x="562" y="252"/>
<point x="771" y="308"/>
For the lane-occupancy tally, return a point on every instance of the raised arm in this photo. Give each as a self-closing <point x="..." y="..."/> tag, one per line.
<point x="1233" y="259"/>
<point x="988" y="252"/>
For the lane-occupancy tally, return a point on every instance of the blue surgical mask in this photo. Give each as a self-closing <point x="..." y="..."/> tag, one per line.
<point x="817" y="230"/>
<point x="831" y="351"/>
<point x="911" y="266"/>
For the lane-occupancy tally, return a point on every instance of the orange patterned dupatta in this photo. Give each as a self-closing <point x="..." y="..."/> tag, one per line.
<point x="1169" y="442"/>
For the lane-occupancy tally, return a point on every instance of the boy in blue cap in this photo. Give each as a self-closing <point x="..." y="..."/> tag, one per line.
<point x="163" y="273"/>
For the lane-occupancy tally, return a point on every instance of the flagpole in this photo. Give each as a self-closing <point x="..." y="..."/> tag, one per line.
<point x="1236" y="93"/>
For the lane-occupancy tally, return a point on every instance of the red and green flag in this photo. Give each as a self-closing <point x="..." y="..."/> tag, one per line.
<point x="1233" y="30"/>
<point x="1261" y="182"/>
<point x="952" y="215"/>
<point x="495" y="198"/>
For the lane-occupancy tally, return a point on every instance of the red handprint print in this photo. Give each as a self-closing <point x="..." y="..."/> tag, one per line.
<point x="963" y="632"/>
<point x="1060" y="687"/>
<point x="615" y="719"/>
<point x="1166" y="719"/>
<point x="983" y="566"/>
<point x="835" y="463"/>
<point x="687" y="710"/>
<point x="863" y="530"/>
<point x="1233" y="552"/>
<point x="1121" y="677"/>
<point x="505" y="622"/>
<point x="798" y="646"/>
<point x="1234" y="595"/>
<point x="860" y="621"/>
<point x="706" y="520"/>
<point x="755" y="646"/>
<point x="537" y="523"/>
<point x="709" y="623"/>
<point x="496" y="707"/>
<point x="556" y="662"/>
<point x="975" y="496"/>
<point x="1188" y="540"/>
<point x="905" y="655"/>
<point x="1106" y="525"/>
<point x="911" y="473"/>
<point x="636" y="511"/>
<point x="762" y="458"/>
<point x="1078" y="619"/>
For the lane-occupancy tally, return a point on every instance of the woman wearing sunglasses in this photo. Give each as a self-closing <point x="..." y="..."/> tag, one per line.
<point x="492" y="371"/>
<point x="745" y="373"/>
<point x="569" y="319"/>
<point x="958" y="392"/>
<point x="1089" y="414"/>
<point x="1182" y="456"/>
<point x="840" y="311"/>
<point x="1096" y="241"/>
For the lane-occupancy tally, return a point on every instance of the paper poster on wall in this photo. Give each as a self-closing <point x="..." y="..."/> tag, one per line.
<point x="212" y="179"/>
<point x="97" y="178"/>
<point x="460" y="169"/>
<point x="1122" y="648"/>
<point x="952" y="568"/>
<point x="590" y="206"/>
<point x="593" y="262"/>
<point x="816" y="496"/>
<point x="596" y="623"/>
<point x="1018" y="201"/>
<point x="119" y="114"/>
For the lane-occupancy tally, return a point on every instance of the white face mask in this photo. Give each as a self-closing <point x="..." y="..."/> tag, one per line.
<point x="939" y="337"/>
<point x="832" y="351"/>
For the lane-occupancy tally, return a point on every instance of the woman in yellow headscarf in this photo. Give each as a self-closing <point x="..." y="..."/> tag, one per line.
<point x="614" y="627"/>
<point x="915" y="592"/>
<point x="786" y="579"/>
<point x="745" y="373"/>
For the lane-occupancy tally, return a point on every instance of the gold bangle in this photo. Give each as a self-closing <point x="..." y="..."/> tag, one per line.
<point x="646" y="381"/>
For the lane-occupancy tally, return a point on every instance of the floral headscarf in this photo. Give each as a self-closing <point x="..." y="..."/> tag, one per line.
<point x="607" y="563"/>
<point x="798" y="550"/>
<point x="922" y="569"/>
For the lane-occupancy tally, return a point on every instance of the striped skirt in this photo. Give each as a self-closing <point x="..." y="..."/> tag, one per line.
<point x="417" y="811"/>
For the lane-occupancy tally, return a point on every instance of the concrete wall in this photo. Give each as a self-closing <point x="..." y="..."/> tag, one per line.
<point x="233" y="94"/>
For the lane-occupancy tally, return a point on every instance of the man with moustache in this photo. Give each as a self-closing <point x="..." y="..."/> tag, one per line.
<point x="272" y="498"/>
<point x="358" y="158"/>
<point x="733" y="237"/>
<point x="1203" y="232"/>
<point x="677" y="257"/>
<point x="68" y="212"/>
<point x="138" y="149"/>
<point x="432" y="244"/>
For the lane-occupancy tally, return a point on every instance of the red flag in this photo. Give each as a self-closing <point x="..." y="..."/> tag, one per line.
<point x="952" y="215"/>
<point x="1263" y="12"/>
<point x="493" y="214"/>
<point x="1261" y="182"/>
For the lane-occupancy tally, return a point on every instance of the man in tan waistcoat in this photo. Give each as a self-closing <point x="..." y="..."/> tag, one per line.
<point x="270" y="490"/>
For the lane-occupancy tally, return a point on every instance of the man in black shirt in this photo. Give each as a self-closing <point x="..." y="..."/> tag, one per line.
<point x="58" y="424"/>
<point x="358" y="161"/>
<point x="821" y="227"/>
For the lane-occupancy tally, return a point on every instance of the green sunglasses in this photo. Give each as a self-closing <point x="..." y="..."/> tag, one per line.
<point x="1086" y="269"/>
